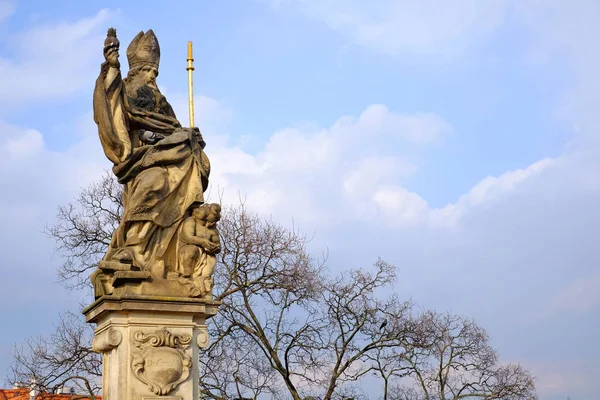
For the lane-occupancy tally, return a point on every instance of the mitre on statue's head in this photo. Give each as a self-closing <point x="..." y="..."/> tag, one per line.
<point x="144" y="49"/>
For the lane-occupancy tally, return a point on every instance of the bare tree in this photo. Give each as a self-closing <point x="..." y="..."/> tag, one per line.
<point x="47" y="364"/>
<point x="385" y="364"/>
<point x="458" y="363"/>
<point x="313" y="332"/>
<point x="84" y="228"/>
<point x="287" y="328"/>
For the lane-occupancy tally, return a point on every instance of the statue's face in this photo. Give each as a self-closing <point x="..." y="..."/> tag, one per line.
<point x="149" y="73"/>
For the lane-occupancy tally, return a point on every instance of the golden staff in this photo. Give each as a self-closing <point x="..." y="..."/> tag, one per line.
<point x="190" y="69"/>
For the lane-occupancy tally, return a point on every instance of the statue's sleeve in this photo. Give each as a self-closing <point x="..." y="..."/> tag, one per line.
<point x="110" y="115"/>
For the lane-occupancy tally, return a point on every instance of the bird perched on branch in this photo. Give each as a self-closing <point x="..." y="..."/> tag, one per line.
<point x="383" y="324"/>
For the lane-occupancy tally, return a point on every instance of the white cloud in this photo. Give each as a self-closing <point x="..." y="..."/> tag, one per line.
<point x="52" y="61"/>
<point x="296" y="151"/>
<point x="565" y="33"/>
<point x="328" y="170"/>
<point x="491" y="186"/>
<point x="433" y="27"/>
<point x="486" y="190"/>
<point x="373" y="170"/>
<point x="398" y="206"/>
<point x="27" y="164"/>
<point x="579" y="296"/>
<point x="351" y="171"/>
<point x="209" y="114"/>
<point x="565" y="379"/>
<point x="34" y="181"/>
<point x="556" y="33"/>
<point x="29" y="143"/>
<point x="370" y="176"/>
<point x="422" y="128"/>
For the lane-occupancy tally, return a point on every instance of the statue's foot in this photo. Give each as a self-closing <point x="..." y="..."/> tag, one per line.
<point x="111" y="266"/>
<point x="124" y="255"/>
<point x="122" y="277"/>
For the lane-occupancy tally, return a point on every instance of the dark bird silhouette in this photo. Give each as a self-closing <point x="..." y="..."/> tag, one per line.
<point x="383" y="324"/>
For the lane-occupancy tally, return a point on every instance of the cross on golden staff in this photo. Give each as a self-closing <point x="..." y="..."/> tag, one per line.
<point x="190" y="70"/>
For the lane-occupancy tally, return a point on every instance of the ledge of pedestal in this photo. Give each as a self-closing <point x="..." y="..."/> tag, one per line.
<point x="152" y="304"/>
<point x="140" y="283"/>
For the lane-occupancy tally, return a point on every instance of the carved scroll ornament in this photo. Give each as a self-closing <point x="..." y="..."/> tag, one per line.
<point x="106" y="340"/>
<point x="161" y="362"/>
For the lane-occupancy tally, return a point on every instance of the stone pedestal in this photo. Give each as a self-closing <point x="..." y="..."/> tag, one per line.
<point x="150" y="345"/>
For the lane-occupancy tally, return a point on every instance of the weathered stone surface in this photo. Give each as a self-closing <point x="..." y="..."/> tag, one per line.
<point x="199" y="243"/>
<point x="153" y="288"/>
<point x="107" y="340"/>
<point x="161" y="362"/>
<point x="166" y="232"/>
<point x="150" y="347"/>
<point x="111" y="266"/>
<point x="98" y="311"/>
<point x="122" y="277"/>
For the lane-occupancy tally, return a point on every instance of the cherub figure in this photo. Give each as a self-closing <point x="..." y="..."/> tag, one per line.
<point x="200" y="244"/>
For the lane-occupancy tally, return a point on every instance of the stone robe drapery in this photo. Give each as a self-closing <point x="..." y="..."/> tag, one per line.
<point x="161" y="181"/>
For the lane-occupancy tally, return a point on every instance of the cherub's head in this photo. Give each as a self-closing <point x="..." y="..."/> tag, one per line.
<point x="200" y="213"/>
<point x="214" y="215"/>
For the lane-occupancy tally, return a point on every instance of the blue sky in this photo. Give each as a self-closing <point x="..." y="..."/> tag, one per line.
<point x="457" y="140"/>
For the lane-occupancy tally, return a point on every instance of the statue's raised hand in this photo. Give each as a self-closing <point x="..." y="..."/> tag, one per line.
<point x="111" y="55"/>
<point x="111" y="48"/>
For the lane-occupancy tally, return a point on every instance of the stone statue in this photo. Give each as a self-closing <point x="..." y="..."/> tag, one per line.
<point x="200" y="243"/>
<point x="164" y="170"/>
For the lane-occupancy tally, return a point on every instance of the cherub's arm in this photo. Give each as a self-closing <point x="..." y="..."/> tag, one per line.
<point x="191" y="235"/>
<point x="216" y="240"/>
